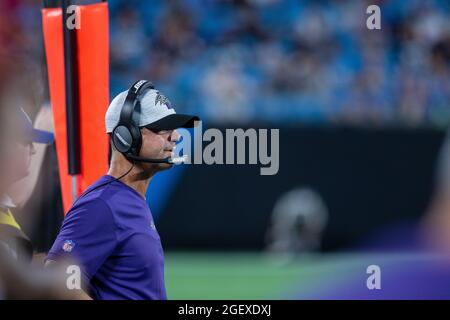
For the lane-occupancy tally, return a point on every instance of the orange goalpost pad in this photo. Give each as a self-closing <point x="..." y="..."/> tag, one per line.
<point x="93" y="87"/>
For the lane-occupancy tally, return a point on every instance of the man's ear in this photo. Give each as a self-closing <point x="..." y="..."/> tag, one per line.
<point x="111" y="144"/>
<point x="112" y="149"/>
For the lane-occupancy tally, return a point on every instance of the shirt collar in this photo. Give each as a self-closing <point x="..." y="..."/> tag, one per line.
<point x="6" y="202"/>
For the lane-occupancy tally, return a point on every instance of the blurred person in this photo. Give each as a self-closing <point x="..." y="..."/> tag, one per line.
<point x="19" y="174"/>
<point x="21" y="191"/>
<point x="129" y="32"/>
<point x="110" y="228"/>
<point x="436" y="224"/>
<point x="437" y="221"/>
<point x="3" y="140"/>
<point x="19" y="279"/>
<point x="24" y="87"/>
<point x="298" y="221"/>
<point x="222" y="86"/>
<point x="420" y="265"/>
<point x="175" y="36"/>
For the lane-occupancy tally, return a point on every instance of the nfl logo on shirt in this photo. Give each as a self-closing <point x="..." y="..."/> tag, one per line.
<point x="68" y="245"/>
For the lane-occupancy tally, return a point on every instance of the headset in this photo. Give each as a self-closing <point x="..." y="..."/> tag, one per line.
<point x="126" y="136"/>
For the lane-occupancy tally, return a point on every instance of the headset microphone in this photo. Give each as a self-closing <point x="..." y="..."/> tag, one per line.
<point x="177" y="160"/>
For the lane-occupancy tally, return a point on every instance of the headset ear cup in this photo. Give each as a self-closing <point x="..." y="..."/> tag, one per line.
<point x="137" y="140"/>
<point x="122" y="139"/>
<point x="127" y="137"/>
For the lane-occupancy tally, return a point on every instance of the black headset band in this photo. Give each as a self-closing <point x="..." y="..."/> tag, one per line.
<point x="129" y="106"/>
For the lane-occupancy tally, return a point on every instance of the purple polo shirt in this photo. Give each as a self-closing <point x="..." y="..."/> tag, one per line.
<point x="111" y="234"/>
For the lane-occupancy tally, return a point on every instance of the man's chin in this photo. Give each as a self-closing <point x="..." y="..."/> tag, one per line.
<point x="165" y="166"/>
<point x="156" y="167"/>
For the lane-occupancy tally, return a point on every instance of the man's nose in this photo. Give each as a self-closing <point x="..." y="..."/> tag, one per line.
<point x="175" y="136"/>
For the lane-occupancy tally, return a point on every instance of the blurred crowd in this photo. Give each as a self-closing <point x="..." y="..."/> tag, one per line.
<point x="276" y="61"/>
<point x="289" y="60"/>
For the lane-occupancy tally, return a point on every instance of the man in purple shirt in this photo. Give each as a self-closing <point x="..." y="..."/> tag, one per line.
<point x="110" y="230"/>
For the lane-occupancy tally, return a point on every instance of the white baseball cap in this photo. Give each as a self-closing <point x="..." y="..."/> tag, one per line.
<point x="155" y="113"/>
<point x="30" y="133"/>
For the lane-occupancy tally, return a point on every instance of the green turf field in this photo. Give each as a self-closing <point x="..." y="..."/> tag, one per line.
<point x="225" y="276"/>
<point x="193" y="275"/>
<point x="248" y="275"/>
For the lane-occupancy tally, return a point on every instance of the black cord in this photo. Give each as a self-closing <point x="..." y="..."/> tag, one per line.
<point x="104" y="184"/>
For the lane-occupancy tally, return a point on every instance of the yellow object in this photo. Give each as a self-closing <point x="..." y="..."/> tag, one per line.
<point x="8" y="219"/>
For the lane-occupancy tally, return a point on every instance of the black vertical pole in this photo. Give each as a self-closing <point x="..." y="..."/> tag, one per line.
<point x="72" y="101"/>
<point x="51" y="3"/>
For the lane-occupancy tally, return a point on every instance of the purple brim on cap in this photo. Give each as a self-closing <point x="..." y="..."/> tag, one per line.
<point x="40" y="136"/>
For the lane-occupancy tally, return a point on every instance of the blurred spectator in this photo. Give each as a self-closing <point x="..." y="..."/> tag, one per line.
<point x="275" y="60"/>
<point x="436" y="223"/>
<point x="286" y="60"/>
<point x="297" y="224"/>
